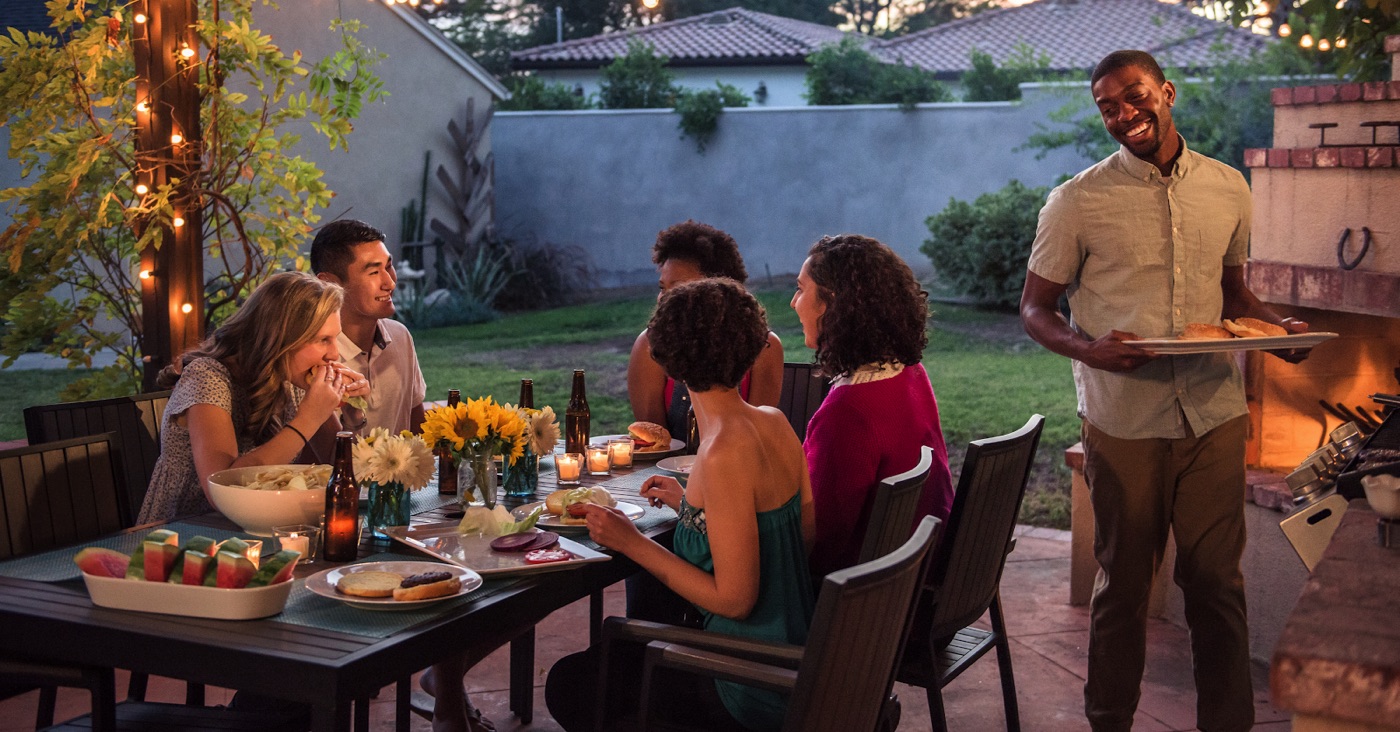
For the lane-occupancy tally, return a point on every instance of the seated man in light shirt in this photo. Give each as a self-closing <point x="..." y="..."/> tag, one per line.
<point x="352" y="254"/>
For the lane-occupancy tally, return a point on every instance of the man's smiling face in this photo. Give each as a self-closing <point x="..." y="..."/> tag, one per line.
<point x="1136" y="111"/>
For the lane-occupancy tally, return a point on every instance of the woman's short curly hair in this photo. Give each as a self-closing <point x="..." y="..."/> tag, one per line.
<point x="713" y="251"/>
<point x="708" y="333"/>
<point x="875" y="309"/>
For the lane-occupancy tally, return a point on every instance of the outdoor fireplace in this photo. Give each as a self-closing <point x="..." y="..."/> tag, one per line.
<point x="1326" y="247"/>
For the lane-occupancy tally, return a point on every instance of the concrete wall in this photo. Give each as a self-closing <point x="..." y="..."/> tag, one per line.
<point x="777" y="179"/>
<point x="786" y="84"/>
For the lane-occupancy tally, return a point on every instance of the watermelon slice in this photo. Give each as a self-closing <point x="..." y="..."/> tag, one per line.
<point x="233" y="572"/>
<point x="194" y="567"/>
<point x="276" y="568"/>
<point x="99" y="562"/>
<point x="201" y="544"/>
<point x="159" y="560"/>
<point x="136" y="569"/>
<point x="235" y="546"/>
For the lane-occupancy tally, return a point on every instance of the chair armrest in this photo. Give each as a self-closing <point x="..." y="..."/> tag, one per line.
<point x="719" y="666"/>
<point x="641" y="631"/>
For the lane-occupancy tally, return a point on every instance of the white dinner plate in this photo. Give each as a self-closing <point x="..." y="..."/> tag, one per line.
<point x="641" y="455"/>
<point x="554" y="523"/>
<point x="323" y="583"/>
<point x="1179" y="347"/>
<point x="678" y="466"/>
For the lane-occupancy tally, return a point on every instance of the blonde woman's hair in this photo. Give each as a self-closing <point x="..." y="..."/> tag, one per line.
<point x="256" y="344"/>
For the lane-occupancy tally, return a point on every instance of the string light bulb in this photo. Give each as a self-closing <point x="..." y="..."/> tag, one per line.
<point x="1324" y="45"/>
<point x="1341" y="43"/>
<point x="187" y="308"/>
<point x="651" y="4"/>
<point x="1285" y="30"/>
<point x="139" y="18"/>
<point x="142" y="189"/>
<point x="178" y="221"/>
<point x="176" y="138"/>
<point x="1306" y="41"/>
<point x="145" y="274"/>
<point x="185" y="51"/>
<point x="143" y="107"/>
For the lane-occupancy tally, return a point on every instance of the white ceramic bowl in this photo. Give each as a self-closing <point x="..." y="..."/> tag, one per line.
<point x="188" y="600"/>
<point x="1383" y="493"/>
<point x="257" y="511"/>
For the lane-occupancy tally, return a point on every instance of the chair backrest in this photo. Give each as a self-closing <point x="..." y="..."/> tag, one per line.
<point x="856" y="638"/>
<point x="967" y="567"/>
<point x="60" y="493"/>
<point x="892" y="512"/>
<point x="803" y="391"/>
<point x="136" y="420"/>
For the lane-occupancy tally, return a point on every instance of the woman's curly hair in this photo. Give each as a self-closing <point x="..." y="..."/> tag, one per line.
<point x="713" y="251"/>
<point x="256" y="344"/>
<point x="875" y="309"/>
<point x="708" y="333"/>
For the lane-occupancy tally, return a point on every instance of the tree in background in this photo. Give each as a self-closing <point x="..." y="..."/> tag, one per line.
<point x="533" y="93"/>
<point x="487" y="30"/>
<point x="894" y="17"/>
<point x="638" y="80"/>
<point x="812" y="11"/>
<point x="72" y="250"/>
<point x="1347" y="36"/>
<point x="988" y="82"/>
<point x="846" y="73"/>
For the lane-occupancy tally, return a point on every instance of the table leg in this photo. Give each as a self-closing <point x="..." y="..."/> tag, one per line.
<point x="595" y="617"/>
<point x="403" y="711"/>
<point x="331" y="718"/>
<point x="522" y="672"/>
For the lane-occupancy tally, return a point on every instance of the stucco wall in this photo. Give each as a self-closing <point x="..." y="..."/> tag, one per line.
<point x="786" y="84"/>
<point x="777" y="179"/>
<point x="382" y="171"/>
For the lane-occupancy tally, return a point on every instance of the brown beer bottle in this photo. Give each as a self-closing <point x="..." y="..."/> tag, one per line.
<point x="447" y="469"/>
<point x="576" y="417"/>
<point x="527" y="394"/>
<point x="342" y="531"/>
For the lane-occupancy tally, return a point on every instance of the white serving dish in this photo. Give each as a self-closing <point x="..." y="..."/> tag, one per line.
<point x="258" y="511"/>
<point x="1178" y="347"/>
<point x="677" y="467"/>
<point x="1383" y="493"/>
<point x="192" y="601"/>
<point x="441" y="540"/>
<point x="324" y="583"/>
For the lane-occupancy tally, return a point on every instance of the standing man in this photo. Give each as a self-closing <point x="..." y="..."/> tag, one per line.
<point x="1146" y="241"/>
<point x="352" y="254"/>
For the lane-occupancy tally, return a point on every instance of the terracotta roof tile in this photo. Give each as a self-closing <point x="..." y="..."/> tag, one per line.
<point x="1075" y="34"/>
<point x="735" y="35"/>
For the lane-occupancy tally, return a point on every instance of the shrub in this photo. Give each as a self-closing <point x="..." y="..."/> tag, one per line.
<point x="700" y="109"/>
<point x="845" y="73"/>
<point x="638" y="80"/>
<point x="547" y="276"/>
<point x="988" y="82"/>
<point x="534" y="93"/>
<point x="981" y="248"/>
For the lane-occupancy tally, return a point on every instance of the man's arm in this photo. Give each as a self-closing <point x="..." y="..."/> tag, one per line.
<point x="1241" y="302"/>
<point x="1040" y="315"/>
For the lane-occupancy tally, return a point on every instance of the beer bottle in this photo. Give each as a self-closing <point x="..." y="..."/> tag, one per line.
<point x="692" y="432"/>
<point x="342" y="530"/>
<point x="527" y="394"/>
<point x="576" y="417"/>
<point x="447" y="469"/>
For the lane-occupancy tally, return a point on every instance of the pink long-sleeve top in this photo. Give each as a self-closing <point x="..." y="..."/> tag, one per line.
<point x="861" y="434"/>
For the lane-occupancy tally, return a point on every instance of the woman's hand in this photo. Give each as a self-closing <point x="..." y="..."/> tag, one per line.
<point x="356" y="385"/>
<point x="663" y="490"/>
<point x="323" y="394"/>
<point x="611" y="528"/>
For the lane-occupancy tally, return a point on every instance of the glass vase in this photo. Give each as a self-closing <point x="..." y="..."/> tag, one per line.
<point x="522" y="478"/>
<point x="388" y="506"/>
<point x="476" y="480"/>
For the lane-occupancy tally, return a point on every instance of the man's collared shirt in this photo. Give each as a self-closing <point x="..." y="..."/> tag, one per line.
<point x="396" y="383"/>
<point x="1143" y="253"/>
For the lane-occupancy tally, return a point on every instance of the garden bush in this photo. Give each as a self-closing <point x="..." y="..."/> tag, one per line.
<point x="639" y="80"/>
<point x="534" y="93"/>
<point x="700" y="109"/>
<point x="981" y="248"/>
<point x="845" y="73"/>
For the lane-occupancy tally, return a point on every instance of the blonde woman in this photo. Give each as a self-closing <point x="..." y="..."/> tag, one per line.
<point x="262" y="390"/>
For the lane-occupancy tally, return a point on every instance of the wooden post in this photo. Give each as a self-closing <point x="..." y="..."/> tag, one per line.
<point x="168" y="146"/>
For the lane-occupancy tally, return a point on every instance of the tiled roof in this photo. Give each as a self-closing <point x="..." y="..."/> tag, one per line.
<point x="26" y="15"/>
<point x="723" y="37"/>
<point x="1075" y="34"/>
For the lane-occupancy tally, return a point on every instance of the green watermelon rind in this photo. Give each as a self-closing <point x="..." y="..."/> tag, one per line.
<point x="276" y="568"/>
<point x="232" y="571"/>
<point x="202" y="544"/>
<point x="136" y="569"/>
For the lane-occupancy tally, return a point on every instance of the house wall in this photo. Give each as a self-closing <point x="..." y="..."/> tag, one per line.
<point x="786" y="84"/>
<point x="383" y="169"/>
<point x="777" y="179"/>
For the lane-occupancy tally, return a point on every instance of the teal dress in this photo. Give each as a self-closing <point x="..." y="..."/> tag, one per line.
<point x="784" y="607"/>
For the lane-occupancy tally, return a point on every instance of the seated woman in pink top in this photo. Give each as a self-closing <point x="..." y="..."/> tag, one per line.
<point x="866" y="316"/>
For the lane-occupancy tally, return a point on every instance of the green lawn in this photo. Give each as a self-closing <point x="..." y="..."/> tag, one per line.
<point x="988" y="377"/>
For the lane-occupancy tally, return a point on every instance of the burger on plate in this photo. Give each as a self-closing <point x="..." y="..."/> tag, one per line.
<point x="649" y="437"/>
<point x="559" y="502"/>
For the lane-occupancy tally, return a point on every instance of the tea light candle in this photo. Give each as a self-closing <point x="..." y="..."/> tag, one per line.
<point x="569" y="465"/>
<point x="296" y="543"/>
<point x="620" y="452"/>
<point x="254" y="551"/>
<point x="598" y="460"/>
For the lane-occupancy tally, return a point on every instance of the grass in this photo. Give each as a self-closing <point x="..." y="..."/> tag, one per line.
<point x="988" y="376"/>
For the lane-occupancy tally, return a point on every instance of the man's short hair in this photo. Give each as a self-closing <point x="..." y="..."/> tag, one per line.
<point x="330" y="250"/>
<point x="1123" y="59"/>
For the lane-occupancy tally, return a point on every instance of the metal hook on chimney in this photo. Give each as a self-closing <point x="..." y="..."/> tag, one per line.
<point x="1342" y="248"/>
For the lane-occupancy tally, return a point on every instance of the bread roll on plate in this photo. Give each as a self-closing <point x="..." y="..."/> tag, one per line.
<point x="1254" y="328"/>
<point x="1204" y="331"/>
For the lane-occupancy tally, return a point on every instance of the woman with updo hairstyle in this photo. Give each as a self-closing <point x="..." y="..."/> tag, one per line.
<point x="687" y="252"/>
<point x="262" y="390"/>
<point x="865" y="315"/>
<point x="745" y="521"/>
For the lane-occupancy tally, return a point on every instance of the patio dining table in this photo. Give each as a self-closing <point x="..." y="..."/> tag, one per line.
<point x="318" y="652"/>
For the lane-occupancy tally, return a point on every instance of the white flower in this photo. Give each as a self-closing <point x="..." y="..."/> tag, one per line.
<point x="394" y="459"/>
<point x="544" y="431"/>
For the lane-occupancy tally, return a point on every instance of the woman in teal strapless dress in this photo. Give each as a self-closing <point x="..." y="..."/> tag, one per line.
<point x="745" y="518"/>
